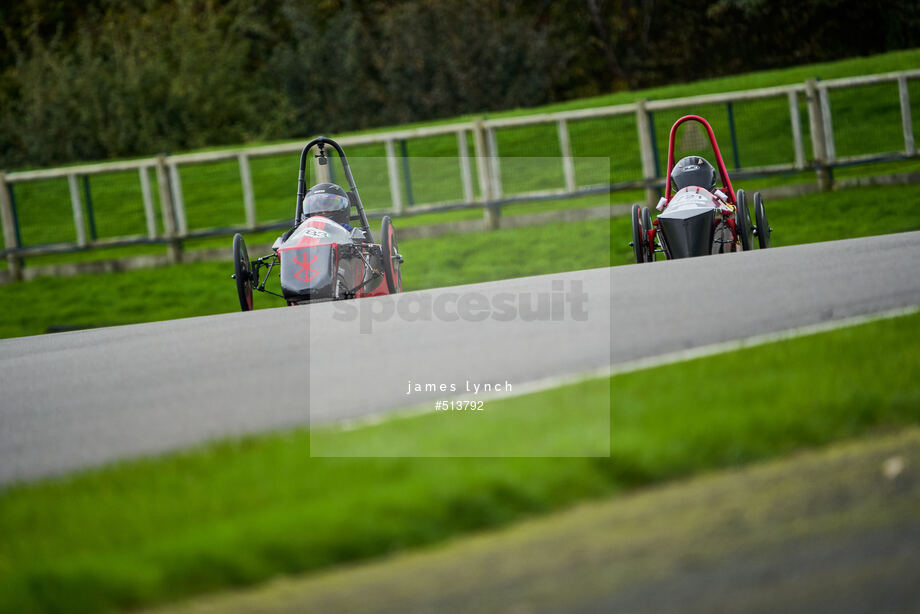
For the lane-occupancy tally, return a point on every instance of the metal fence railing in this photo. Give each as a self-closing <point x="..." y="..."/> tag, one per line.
<point x="816" y="125"/>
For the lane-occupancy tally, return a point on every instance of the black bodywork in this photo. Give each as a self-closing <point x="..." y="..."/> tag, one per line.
<point x="687" y="234"/>
<point x="698" y="220"/>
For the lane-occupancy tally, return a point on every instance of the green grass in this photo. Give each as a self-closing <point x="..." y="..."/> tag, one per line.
<point x="205" y="288"/>
<point x="265" y="239"/>
<point x="187" y="290"/>
<point x="238" y="512"/>
<point x="782" y="511"/>
<point x="514" y="427"/>
<point x="867" y="120"/>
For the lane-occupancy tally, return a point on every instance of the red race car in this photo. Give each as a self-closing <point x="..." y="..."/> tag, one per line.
<point x="322" y="257"/>
<point x="698" y="219"/>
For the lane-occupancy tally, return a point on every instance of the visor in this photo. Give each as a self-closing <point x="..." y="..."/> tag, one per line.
<point x="324" y="203"/>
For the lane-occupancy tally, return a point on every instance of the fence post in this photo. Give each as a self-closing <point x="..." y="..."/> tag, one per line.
<point x="175" y="185"/>
<point x="466" y="175"/>
<point x="482" y="166"/>
<point x="736" y="156"/>
<point x="249" y="199"/>
<point x="393" y="173"/>
<point x="77" y="210"/>
<point x="910" y="147"/>
<point x="565" y="146"/>
<point x="796" y="121"/>
<point x="491" y="211"/>
<point x="174" y="247"/>
<point x="816" y="126"/>
<point x="829" y="147"/>
<point x="495" y="170"/>
<point x="8" y="220"/>
<point x="90" y="216"/>
<point x="647" y="149"/>
<point x="407" y="173"/>
<point x="147" y="195"/>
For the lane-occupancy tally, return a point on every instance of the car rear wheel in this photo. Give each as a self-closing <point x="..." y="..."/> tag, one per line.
<point x="392" y="260"/>
<point x="763" y="225"/>
<point x="722" y="238"/>
<point x="637" y="242"/>
<point x="242" y="272"/>
<point x="649" y="242"/>
<point x="743" y="221"/>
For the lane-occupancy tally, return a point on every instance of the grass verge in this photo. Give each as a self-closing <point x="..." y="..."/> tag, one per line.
<point x="236" y="513"/>
<point x="205" y="288"/>
<point x="759" y="535"/>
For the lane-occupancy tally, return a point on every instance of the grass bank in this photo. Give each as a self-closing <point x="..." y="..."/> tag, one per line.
<point x="205" y="288"/>
<point x="760" y="534"/>
<point x="239" y="512"/>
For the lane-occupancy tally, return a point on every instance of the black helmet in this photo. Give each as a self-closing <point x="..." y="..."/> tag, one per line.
<point x="328" y="200"/>
<point x="694" y="171"/>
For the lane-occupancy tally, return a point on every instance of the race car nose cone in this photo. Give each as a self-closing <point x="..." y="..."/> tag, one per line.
<point x="688" y="233"/>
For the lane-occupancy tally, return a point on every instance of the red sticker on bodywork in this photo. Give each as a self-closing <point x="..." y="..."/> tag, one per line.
<point x="306" y="272"/>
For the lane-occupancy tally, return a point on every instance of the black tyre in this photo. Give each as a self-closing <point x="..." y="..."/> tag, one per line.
<point x="763" y="225"/>
<point x="646" y="226"/>
<point x="637" y="242"/>
<point x="242" y="272"/>
<point x="722" y="239"/>
<point x="743" y="221"/>
<point x="392" y="260"/>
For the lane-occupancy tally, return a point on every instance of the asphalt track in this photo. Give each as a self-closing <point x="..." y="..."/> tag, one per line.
<point x="83" y="398"/>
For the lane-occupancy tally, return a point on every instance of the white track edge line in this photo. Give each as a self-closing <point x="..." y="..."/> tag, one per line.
<point x="555" y="381"/>
<point x="756" y="340"/>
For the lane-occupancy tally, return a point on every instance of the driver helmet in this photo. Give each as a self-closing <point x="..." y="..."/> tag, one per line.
<point x="694" y="171"/>
<point x="329" y="201"/>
